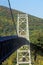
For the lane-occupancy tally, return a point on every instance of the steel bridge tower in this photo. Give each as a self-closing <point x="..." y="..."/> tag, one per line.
<point x="23" y="53"/>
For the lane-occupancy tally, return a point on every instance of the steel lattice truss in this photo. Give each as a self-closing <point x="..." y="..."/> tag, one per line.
<point x="23" y="53"/>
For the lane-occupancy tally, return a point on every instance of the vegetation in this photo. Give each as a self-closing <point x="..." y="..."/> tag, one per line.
<point x="7" y="28"/>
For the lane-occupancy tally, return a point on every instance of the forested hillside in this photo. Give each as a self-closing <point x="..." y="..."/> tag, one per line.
<point x="7" y="28"/>
<point x="6" y="22"/>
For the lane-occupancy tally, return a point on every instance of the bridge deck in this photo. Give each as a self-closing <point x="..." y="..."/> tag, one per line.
<point x="9" y="44"/>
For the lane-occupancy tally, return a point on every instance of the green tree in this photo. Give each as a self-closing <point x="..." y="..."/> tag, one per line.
<point x="36" y="37"/>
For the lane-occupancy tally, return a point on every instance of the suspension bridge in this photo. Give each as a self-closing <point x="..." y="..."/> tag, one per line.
<point x="21" y="32"/>
<point x="19" y="42"/>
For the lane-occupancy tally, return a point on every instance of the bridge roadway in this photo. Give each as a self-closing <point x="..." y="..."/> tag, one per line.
<point x="10" y="44"/>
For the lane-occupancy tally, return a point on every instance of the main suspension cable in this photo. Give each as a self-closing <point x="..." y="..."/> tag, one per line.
<point x="12" y="15"/>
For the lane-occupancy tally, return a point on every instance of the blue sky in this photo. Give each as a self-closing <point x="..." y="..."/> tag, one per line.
<point x="33" y="7"/>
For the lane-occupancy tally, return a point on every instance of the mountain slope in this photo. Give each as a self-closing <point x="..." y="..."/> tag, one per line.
<point x="7" y="26"/>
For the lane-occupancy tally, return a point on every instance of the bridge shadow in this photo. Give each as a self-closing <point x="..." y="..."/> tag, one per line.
<point x="36" y="50"/>
<point x="10" y="44"/>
